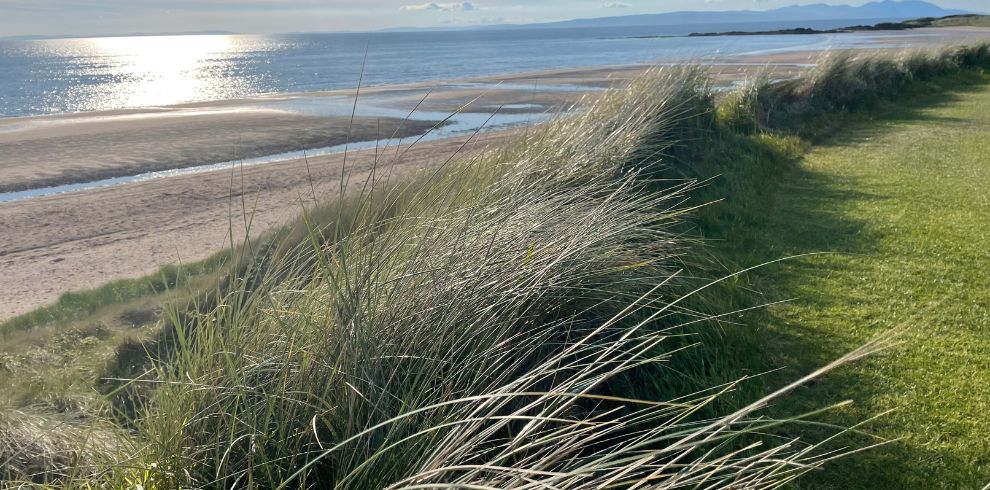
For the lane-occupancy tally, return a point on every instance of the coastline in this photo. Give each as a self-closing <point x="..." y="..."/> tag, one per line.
<point x="66" y="242"/>
<point x="51" y="154"/>
<point x="64" y="149"/>
<point x="113" y="145"/>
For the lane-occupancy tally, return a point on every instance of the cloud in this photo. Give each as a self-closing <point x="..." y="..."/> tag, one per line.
<point x="446" y="7"/>
<point x="615" y="5"/>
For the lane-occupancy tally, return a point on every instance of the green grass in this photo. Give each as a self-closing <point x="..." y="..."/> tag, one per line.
<point x="460" y="330"/>
<point x="55" y="355"/>
<point x="897" y="208"/>
<point x="906" y="205"/>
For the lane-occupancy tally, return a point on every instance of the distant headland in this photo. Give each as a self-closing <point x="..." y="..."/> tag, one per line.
<point x="947" y="21"/>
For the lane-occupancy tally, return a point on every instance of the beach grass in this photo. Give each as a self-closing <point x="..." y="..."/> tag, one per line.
<point x="527" y="316"/>
<point x="56" y="355"/>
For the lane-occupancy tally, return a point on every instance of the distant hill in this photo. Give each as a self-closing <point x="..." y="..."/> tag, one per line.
<point x="886" y="10"/>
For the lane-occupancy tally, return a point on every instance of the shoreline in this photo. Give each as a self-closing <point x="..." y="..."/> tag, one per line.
<point x="87" y="150"/>
<point x="78" y="149"/>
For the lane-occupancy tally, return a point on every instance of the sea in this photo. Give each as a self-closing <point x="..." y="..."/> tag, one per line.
<point x="58" y="76"/>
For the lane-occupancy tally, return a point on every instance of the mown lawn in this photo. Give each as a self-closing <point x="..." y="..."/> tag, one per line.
<point x="897" y="211"/>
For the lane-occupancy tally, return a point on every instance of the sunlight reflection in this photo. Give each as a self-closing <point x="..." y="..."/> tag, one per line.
<point x="166" y="70"/>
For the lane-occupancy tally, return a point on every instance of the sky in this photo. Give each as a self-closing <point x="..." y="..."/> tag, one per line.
<point x="94" y="17"/>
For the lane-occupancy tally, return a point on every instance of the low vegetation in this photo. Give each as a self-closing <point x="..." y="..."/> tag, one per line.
<point x="516" y="318"/>
<point x="968" y="20"/>
<point x="965" y="20"/>
<point x="899" y="202"/>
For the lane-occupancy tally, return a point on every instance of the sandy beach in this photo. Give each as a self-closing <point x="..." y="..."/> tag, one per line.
<point x="65" y="242"/>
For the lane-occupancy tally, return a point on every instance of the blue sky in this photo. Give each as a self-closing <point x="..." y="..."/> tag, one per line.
<point x="47" y="17"/>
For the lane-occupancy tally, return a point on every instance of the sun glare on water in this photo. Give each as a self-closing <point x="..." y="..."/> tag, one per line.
<point x="155" y="71"/>
<point x="163" y="70"/>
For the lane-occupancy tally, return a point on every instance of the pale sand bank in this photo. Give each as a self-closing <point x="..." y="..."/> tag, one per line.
<point x="44" y="152"/>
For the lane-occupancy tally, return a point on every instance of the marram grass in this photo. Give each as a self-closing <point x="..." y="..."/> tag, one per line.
<point x="459" y="334"/>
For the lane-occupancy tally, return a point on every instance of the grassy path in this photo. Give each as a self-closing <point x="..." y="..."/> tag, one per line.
<point x="903" y="206"/>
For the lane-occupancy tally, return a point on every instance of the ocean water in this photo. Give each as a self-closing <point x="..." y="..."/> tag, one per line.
<point x="74" y="75"/>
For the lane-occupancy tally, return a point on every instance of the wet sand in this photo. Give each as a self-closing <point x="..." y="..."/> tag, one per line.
<point x="60" y="243"/>
<point x="43" y="152"/>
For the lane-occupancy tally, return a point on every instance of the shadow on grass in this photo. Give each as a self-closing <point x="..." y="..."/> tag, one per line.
<point x="778" y="209"/>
